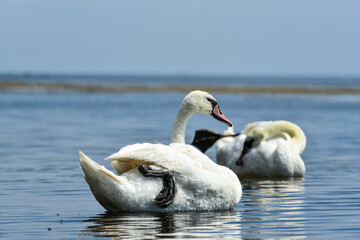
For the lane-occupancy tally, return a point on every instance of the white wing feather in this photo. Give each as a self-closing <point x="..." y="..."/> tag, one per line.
<point x="177" y="157"/>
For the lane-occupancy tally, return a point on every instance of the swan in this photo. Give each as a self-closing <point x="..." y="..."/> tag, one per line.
<point x="269" y="149"/>
<point x="166" y="178"/>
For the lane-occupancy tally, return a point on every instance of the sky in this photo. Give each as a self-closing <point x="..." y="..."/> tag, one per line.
<point x="317" y="37"/>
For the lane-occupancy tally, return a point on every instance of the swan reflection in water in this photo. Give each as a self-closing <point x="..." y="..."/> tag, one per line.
<point x="164" y="225"/>
<point x="268" y="208"/>
<point x="271" y="208"/>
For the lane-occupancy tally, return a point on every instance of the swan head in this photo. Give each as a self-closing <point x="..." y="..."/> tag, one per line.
<point x="251" y="141"/>
<point x="204" y="103"/>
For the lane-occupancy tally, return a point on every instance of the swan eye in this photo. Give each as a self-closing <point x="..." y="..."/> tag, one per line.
<point x="212" y="101"/>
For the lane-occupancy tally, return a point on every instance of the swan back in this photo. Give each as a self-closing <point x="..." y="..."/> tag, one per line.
<point x="265" y="131"/>
<point x="201" y="183"/>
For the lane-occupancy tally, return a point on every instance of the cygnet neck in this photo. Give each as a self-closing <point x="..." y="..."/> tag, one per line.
<point x="178" y="131"/>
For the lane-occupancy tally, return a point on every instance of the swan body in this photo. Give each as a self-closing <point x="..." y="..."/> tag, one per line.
<point x="264" y="149"/>
<point x="201" y="184"/>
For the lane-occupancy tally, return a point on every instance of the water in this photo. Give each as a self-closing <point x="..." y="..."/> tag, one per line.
<point x="43" y="194"/>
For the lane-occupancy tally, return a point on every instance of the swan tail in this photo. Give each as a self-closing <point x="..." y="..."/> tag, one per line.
<point x="101" y="181"/>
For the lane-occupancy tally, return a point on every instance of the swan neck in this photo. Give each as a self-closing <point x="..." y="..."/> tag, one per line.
<point x="299" y="140"/>
<point x="178" y="132"/>
<point x="297" y="136"/>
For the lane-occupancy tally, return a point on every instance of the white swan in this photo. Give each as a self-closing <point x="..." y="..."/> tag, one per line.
<point x="186" y="178"/>
<point x="263" y="149"/>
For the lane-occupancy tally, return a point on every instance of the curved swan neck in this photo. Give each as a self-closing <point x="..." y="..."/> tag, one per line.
<point x="178" y="131"/>
<point x="293" y="131"/>
<point x="299" y="139"/>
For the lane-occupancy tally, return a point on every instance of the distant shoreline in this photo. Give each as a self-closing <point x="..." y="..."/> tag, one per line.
<point x="40" y="87"/>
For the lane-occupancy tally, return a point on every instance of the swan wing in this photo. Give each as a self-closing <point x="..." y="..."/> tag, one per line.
<point x="176" y="157"/>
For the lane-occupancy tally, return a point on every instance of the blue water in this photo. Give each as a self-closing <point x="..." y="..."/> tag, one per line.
<point x="43" y="194"/>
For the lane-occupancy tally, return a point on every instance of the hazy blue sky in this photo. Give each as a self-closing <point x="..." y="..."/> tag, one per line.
<point x="180" y="37"/>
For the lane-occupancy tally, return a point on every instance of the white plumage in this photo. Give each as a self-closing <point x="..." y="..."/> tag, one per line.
<point x="276" y="151"/>
<point x="201" y="184"/>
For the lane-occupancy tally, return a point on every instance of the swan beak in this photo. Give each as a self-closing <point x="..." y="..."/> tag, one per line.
<point x="240" y="160"/>
<point x="248" y="144"/>
<point x="218" y="115"/>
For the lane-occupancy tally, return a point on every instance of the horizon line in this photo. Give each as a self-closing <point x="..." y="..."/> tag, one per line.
<point x="94" y="88"/>
<point x="175" y="75"/>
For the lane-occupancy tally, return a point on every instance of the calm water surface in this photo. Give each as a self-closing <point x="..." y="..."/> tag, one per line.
<point x="43" y="194"/>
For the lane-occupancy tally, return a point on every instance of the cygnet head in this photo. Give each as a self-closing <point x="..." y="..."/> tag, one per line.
<point x="204" y="103"/>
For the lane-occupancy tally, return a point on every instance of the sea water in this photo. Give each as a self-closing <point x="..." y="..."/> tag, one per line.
<point x="43" y="194"/>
